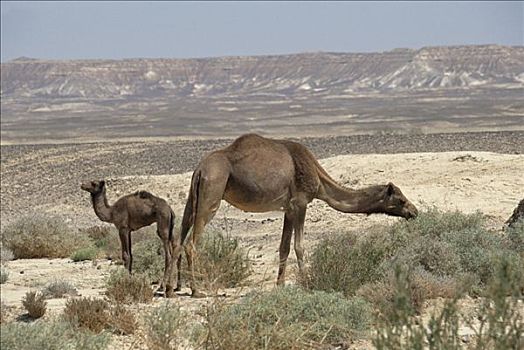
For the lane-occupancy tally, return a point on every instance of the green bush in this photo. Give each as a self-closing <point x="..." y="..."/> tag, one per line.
<point x="49" y="336"/>
<point x="285" y="318"/>
<point x="148" y="258"/>
<point x="497" y="324"/>
<point x="86" y="253"/>
<point x="444" y="254"/>
<point x="59" y="289"/>
<point x="41" y="237"/>
<point x="125" y="288"/>
<point x="221" y="262"/>
<point x="164" y="326"/>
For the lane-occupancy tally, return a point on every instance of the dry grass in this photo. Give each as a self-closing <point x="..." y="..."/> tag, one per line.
<point x="49" y="335"/>
<point x="123" y="321"/>
<point x="41" y="237"/>
<point x="59" y="289"/>
<point x="285" y="318"/>
<point x="125" y="288"/>
<point x="88" y="313"/>
<point x="164" y="326"/>
<point x="35" y="304"/>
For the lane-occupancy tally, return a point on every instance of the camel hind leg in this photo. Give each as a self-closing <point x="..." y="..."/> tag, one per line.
<point x="211" y="191"/>
<point x="163" y="226"/>
<point x="285" y="243"/>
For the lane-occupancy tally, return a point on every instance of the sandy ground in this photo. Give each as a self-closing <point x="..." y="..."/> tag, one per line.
<point x="467" y="181"/>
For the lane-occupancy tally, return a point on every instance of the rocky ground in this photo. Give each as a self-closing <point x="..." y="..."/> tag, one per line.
<point x="467" y="172"/>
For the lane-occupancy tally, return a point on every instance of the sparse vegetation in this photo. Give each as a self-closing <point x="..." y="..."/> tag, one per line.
<point x="41" y="237"/>
<point x="51" y="335"/>
<point x="96" y="315"/>
<point x="444" y="255"/>
<point x="122" y="320"/>
<point x="5" y="254"/>
<point x="285" y="318"/>
<point x="220" y="263"/>
<point x="35" y="304"/>
<point x="88" y="313"/>
<point x="163" y="327"/>
<point x="86" y="253"/>
<point x="3" y="311"/>
<point x="125" y="288"/>
<point x="4" y="275"/>
<point x="59" y="289"/>
<point x="148" y="258"/>
<point x="497" y="324"/>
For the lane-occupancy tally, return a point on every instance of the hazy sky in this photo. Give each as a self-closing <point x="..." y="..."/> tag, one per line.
<point x="64" y="30"/>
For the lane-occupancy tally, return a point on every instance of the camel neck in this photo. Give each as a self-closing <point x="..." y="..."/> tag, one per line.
<point x="347" y="200"/>
<point x="102" y="208"/>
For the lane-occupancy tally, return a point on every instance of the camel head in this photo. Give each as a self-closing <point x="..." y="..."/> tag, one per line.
<point x="94" y="187"/>
<point x="395" y="203"/>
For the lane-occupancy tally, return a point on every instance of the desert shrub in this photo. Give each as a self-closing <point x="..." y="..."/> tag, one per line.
<point x="35" y="304"/>
<point x="5" y="254"/>
<point x="148" y="258"/>
<point x="221" y="262"/>
<point x="49" y="336"/>
<point x="443" y="253"/>
<point x="41" y="237"/>
<point x="3" y="311"/>
<point x="516" y="237"/>
<point x="4" y="275"/>
<point x="500" y="316"/>
<point x="85" y="253"/>
<point x="397" y="327"/>
<point x="164" y="326"/>
<point x="97" y="233"/>
<point x="88" y="313"/>
<point x="285" y="318"/>
<point x="59" y="289"/>
<point x="126" y="288"/>
<point x="122" y="320"/>
<point x="423" y="285"/>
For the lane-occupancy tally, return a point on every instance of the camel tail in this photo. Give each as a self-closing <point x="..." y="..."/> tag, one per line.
<point x="191" y="207"/>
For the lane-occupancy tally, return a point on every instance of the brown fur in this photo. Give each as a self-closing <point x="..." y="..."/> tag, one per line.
<point x="132" y="212"/>
<point x="258" y="174"/>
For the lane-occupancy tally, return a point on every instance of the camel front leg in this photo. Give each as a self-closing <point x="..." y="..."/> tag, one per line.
<point x="125" y="242"/>
<point x="285" y="243"/>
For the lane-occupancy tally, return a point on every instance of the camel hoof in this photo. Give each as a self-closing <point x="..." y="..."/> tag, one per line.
<point x="197" y="294"/>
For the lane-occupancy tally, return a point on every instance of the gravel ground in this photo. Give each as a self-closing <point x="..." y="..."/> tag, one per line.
<point x="36" y="174"/>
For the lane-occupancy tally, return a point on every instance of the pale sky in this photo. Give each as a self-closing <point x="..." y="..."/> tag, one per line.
<point x="72" y="30"/>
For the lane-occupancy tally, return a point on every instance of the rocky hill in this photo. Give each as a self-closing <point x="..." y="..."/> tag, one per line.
<point x="211" y="95"/>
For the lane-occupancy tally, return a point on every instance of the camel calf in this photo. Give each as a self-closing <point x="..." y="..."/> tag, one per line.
<point x="132" y="212"/>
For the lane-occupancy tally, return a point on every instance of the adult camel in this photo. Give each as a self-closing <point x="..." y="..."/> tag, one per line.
<point x="258" y="174"/>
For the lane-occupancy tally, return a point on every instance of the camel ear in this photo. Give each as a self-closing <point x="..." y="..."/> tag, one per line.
<point x="390" y="190"/>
